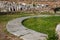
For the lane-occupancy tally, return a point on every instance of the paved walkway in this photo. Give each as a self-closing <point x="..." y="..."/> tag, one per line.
<point x="15" y="27"/>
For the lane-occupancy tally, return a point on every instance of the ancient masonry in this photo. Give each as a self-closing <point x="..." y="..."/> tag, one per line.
<point x="7" y="6"/>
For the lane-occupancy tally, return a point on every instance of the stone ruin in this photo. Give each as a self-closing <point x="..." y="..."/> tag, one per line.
<point x="6" y="6"/>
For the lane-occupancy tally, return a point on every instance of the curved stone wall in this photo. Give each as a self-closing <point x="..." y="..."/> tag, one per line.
<point x="16" y="28"/>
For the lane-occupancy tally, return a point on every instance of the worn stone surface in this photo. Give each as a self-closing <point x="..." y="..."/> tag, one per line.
<point x="15" y="27"/>
<point x="58" y="31"/>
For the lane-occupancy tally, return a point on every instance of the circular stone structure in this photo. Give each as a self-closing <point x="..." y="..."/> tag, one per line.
<point x="16" y="28"/>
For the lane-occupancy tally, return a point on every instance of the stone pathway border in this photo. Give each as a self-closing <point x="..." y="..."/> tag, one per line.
<point x="16" y="28"/>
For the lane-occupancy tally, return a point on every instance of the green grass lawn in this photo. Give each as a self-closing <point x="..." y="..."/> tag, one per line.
<point x="45" y="25"/>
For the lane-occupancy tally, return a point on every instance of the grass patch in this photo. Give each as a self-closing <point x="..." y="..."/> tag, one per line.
<point x="45" y="25"/>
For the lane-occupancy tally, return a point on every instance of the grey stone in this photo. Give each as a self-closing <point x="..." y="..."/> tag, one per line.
<point x="58" y="31"/>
